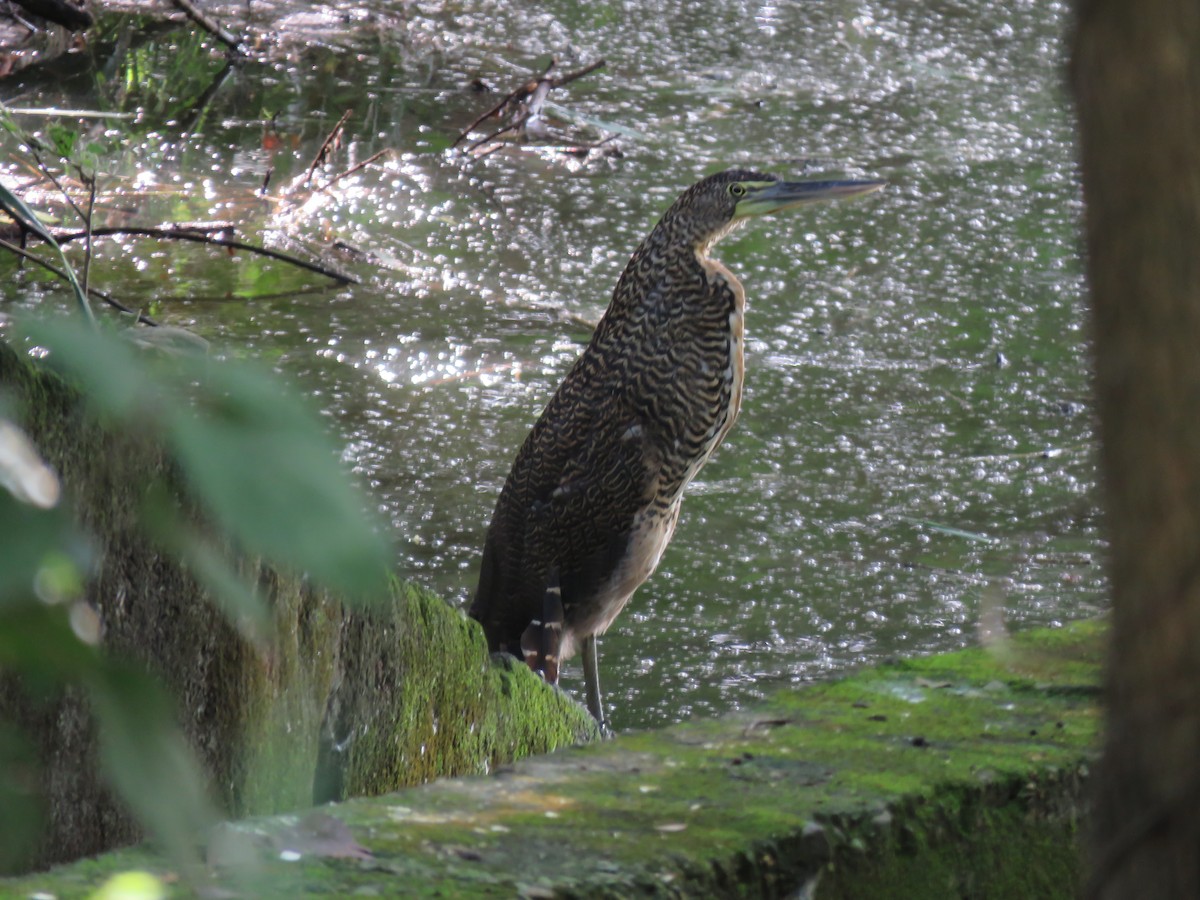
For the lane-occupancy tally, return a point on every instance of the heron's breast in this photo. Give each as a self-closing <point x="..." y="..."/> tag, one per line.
<point x="735" y="369"/>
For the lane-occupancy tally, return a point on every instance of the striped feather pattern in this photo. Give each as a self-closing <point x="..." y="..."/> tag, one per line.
<point x="594" y="493"/>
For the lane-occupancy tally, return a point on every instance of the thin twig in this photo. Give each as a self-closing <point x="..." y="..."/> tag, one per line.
<point x="350" y="171"/>
<point x="462" y="136"/>
<point x="586" y="70"/>
<point x="45" y="170"/>
<point x="513" y="96"/>
<point x="515" y="126"/>
<point x="198" y="238"/>
<point x="94" y="292"/>
<point x="329" y="139"/>
<point x="535" y="91"/>
<point x="210" y="25"/>
<point x="87" y="224"/>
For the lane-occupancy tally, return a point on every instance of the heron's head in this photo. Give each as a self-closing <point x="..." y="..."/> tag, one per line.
<point x="714" y="206"/>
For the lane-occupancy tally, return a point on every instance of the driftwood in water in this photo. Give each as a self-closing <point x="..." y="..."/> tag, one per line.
<point x="523" y="104"/>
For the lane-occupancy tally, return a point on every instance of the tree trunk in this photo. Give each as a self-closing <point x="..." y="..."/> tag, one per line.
<point x="1137" y="81"/>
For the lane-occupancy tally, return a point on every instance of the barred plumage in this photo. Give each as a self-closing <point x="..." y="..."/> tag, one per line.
<point x="593" y="497"/>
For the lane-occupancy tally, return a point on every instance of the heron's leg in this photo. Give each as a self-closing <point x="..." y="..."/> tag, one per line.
<point x="591" y="679"/>
<point x="542" y="640"/>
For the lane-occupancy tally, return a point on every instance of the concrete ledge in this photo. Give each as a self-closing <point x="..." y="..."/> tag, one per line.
<point x="955" y="775"/>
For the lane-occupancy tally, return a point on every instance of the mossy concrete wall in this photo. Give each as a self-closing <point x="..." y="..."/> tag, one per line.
<point x="343" y="702"/>
<point x="961" y="775"/>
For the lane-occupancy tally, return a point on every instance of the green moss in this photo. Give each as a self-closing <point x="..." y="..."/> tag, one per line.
<point x="420" y="698"/>
<point x="961" y="844"/>
<point x="825" y="787"/>
<point x="339" y="702"/>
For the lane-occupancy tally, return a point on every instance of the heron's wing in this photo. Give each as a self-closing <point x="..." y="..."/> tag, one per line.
<point x="579" y="480"/>
<point x="585" y="524"/>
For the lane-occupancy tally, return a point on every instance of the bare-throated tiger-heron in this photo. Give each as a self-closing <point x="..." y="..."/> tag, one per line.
<point x="593" y="497"/>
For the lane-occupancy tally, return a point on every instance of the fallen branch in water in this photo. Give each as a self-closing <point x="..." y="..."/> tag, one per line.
<point x="513" y="97"/>
<point x="92" y="292"/>
<point x="523" y="103"/>
<point x="579" y="73"/>
<point x="582" y="151"/>
<point x="210" y="25"/>
<point x="326" y="145"/>
<point x="355" y="168"/>
<point x="197" y="237"/>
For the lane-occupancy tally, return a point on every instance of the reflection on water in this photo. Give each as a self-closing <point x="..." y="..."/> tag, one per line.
<point x="914" y="452"/>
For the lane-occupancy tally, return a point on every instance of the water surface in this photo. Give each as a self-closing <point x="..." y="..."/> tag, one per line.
<point x="914" y="455"/>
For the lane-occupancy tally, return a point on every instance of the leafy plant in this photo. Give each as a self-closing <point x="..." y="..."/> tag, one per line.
<point x="258" y="471"/>
<point x="28" y="221"/>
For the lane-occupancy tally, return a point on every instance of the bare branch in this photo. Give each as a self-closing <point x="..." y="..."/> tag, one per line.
<point x="515" y="126"/>
<point x="355" y="168"/>
<point x="512" y="97"/>
<point x="94" y="292"/>
<point x="529" y="99"/>
<point x="579" y="73"/>
<point x="196" y="237"/>
<point x="326" y="144"/>
<point x="87" y="224"/>
<point x="210" y="25"/>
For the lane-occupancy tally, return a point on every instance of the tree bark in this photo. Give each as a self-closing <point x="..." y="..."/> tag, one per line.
<point x="1137" y="82"/>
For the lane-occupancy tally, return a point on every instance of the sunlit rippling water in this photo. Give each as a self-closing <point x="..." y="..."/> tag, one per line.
<point x="915" y="447"/>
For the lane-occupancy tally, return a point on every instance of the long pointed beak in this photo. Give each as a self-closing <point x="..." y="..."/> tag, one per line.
<point x="777" y="195"/>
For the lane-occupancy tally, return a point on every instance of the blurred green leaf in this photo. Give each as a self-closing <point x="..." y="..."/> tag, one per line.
<point x="60" y="577"/>
<point x="23" y="472"/>
<point x="255" y="455"/>
<point x="145" y="757"/>
<point x="104" y="366"/>
<point x="37" y="641"/>
<point x="131" y="886"/>
<point x="31" y="535"/>
<point x="168" y="339"/>
<point x="272" y="478"/>
<point x="25" y="217"/>
<point x="237" y="600"/>
<point x="20" y="798"/>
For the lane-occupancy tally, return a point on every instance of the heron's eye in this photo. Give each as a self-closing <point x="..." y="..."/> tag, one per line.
<point x="737" y="190"/>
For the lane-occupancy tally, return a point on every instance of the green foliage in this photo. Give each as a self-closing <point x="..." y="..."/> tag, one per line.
<point x="22" y="815"/>
<point x="63" y="138"/>
<point x="28" y="533"/>
<point x="247" y="446"/>
<point x="252" y="471"/>
<point x="147" y="759"/>
<point x="28" y="220"/>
